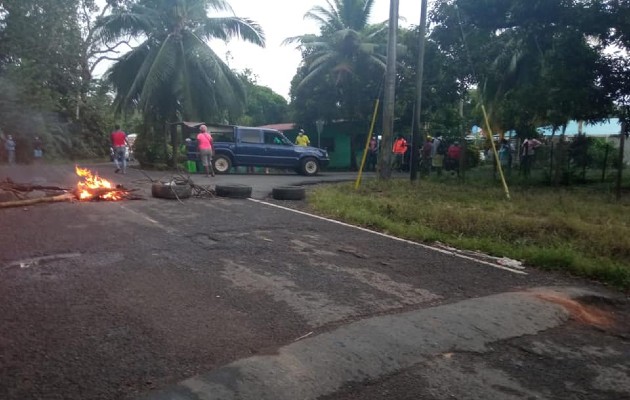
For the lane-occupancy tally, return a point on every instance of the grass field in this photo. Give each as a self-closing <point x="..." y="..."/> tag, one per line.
<point x="581" y="230"/>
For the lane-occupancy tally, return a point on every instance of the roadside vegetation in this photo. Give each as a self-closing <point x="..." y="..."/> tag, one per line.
<point x="581" y="230"/>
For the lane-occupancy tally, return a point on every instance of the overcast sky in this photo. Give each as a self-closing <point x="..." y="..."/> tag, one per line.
<point x="275" y="65"/>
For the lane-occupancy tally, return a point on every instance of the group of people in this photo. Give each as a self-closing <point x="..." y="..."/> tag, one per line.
<point x="10" y="147"/>
<point x="437" y="155"/>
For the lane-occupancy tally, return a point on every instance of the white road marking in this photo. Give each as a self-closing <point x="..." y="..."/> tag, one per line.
<point x="425" y="246"/>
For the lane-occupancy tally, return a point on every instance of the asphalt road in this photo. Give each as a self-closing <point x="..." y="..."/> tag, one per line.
<point x="109" y="300"/>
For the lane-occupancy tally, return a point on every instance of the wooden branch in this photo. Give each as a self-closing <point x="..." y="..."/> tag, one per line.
<point x="53" y="199"/>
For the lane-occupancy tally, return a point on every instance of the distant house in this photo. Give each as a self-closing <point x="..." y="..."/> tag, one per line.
<point x="609" y="129"/>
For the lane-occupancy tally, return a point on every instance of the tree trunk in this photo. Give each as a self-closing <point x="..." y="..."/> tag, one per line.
<point x="416" y="141"/>
<point x="174" y="144"/>
<point x="385" y="153"/>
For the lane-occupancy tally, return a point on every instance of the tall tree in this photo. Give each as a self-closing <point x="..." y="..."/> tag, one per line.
<point x="264" y="106"/>
<point x="347" y="57"/>
<point x="531" y="59"/>
<point x="173" y="73"/>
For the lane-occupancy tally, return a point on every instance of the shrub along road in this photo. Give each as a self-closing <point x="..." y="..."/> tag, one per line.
<point x="121" y="300"/>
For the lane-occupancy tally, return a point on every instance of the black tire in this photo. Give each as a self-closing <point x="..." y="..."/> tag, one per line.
<point x="288" y="193"/>
<point x="171" y="192"/>
<point x="233" y="191"/>
<point x="221" y="164"/>
<point x="309" y="166"/>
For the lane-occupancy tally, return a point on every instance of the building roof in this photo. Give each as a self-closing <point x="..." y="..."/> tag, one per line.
<point x="608" y="127"/>
<point x="280" y="127"/>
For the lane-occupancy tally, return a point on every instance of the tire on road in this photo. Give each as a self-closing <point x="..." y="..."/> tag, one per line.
<point x="233" y="191"/>
<point x="221" y="163"/>
<point x="171" y="192"/>
<point x="309" y="166"/>
<point x="288" y="193"/>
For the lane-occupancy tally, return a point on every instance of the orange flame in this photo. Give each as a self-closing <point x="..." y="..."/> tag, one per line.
<point x="86" y="189"/>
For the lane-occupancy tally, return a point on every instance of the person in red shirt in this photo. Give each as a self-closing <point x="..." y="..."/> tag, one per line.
<point x="454" y="151"/>
<point x="453" y="155"/>
<point x="119" y="144"/>
<point x="206" y="149"/>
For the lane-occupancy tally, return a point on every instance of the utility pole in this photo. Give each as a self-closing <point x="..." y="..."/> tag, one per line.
<point x="385" y="153"/>
<point x="416" y="138"/>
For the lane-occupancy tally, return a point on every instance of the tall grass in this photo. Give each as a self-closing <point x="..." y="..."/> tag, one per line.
<point x="579" y="230"/>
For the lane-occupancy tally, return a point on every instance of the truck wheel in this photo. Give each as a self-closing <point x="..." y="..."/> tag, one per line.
<point x="310" y="166"/>
<point x="171" y="192"/>
<point x="233" y="191"/>
<point x="221" y="164"/>
<point x="288" y="193"/>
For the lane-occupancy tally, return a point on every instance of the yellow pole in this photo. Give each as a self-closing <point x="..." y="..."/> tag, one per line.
<point x="494" y="150"/>
<point x="367" y="144"/>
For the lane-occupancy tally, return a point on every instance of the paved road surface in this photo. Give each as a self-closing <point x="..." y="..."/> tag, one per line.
<point x="158" y="299"/>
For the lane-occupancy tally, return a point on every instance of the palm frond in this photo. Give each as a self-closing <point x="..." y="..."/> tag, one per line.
<point x="218" y="84"/>
<point x="218" y="5"/>
<point x="324" y="18"/>
<point x="226" y="28"/>
<point x="139" y="21"/>
<point x="163" y="70"/>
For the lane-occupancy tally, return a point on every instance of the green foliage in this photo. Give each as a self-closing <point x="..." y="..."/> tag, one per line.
<point x="342" y="66"/>
<point x="441" y="89"/>
<point x="579" y="231"/>
<point x="264" y="106"/>
<point x="173" y="74"/>
<point x="41" y="78"/>
<point x="151" y="149"/>
<point x="534" y="64"/>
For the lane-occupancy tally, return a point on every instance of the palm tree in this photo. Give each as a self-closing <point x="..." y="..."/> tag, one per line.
<point x="348" y="53"/>
<point x="173" y="73"/>
<point x="346" y="41"/>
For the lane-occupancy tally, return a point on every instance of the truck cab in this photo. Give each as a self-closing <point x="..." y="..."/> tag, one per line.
<point x="236" y="146"/>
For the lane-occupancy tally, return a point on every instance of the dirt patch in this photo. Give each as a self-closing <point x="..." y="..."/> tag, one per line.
<point x="582" y="313"/>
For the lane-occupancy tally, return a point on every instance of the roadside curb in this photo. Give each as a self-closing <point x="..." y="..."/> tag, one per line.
<point x="375" y="347"/>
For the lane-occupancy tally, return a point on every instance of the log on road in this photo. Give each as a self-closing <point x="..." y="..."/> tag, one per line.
<point x="52" y="199"/>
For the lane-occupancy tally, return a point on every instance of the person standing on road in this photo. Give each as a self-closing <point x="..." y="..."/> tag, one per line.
<point x="302" y="139"/>
<point x="206" y="149"/>
<point x="427" y="147"/>
<point x="9" y="146"/>
<point x="399" y="149"/>
<point x="438" y="150"/>
<point x="119" y="144"/>
<point x="528" y="149"/>
<point x="372" y="156"/>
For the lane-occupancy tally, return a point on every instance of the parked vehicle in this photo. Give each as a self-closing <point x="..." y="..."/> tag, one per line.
<point x="236" y="146"/>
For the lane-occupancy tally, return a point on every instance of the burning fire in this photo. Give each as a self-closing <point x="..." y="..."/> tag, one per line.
<point x="95" y="187"/>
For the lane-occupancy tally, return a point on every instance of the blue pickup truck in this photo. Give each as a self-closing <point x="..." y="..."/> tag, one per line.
<point x="236" y="146"/>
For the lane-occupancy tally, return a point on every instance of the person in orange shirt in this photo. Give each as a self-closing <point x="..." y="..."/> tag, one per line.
<point x="399" y="150"/>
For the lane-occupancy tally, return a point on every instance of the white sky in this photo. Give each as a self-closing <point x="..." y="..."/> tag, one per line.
<point x="275" y="65"/>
